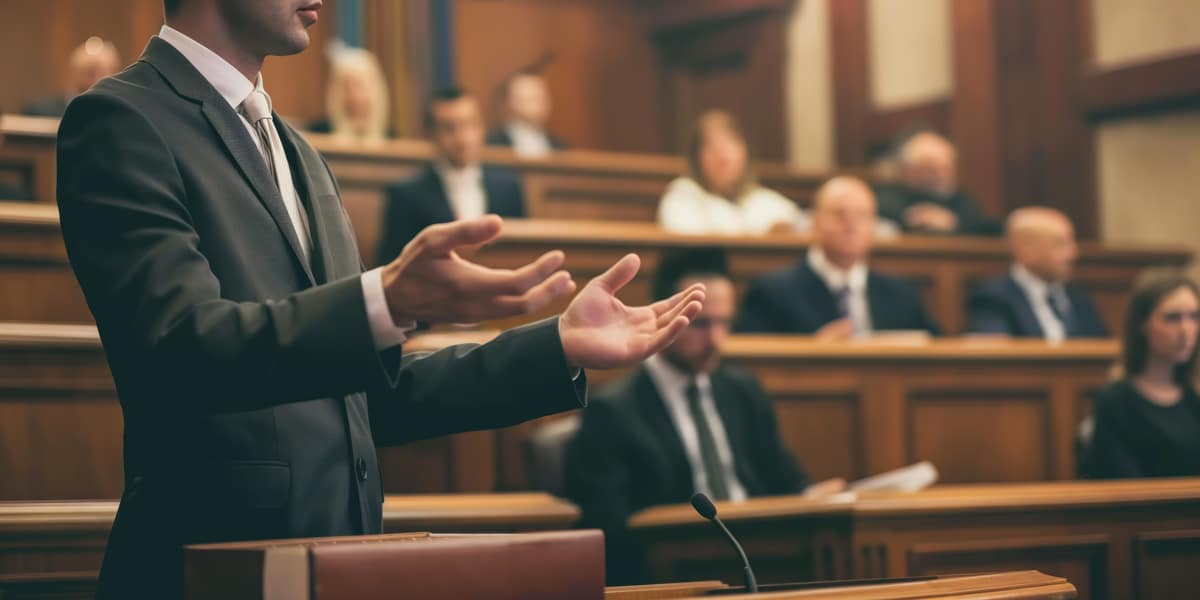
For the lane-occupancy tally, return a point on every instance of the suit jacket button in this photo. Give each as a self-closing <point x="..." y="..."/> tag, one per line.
<point x="362" y="469"/>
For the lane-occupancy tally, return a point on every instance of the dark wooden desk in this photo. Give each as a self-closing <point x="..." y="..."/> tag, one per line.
<point x="983" y="411"/>
<point x="1114" y="539"/>
<point x="55" y="548"/>
<point x="1016" y="585"/>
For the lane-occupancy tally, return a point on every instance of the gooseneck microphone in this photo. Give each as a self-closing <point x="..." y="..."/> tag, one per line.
<point x="704" y="506"/>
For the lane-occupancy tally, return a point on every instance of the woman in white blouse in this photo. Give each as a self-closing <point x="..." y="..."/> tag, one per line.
<point x="721" y="194"/>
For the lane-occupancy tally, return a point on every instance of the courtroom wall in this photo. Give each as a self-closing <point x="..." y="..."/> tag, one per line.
<point x="909" y="52"/>
<point x="1131" y="32"/>
<point x="809" y="86"/>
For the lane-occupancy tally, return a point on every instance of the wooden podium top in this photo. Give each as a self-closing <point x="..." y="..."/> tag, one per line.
<point x="1031" y="585"/>
<point x="961" y="499"/>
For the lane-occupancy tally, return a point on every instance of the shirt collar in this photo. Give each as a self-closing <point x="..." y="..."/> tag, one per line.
<point x="835" y="278"/>
<point x="517" y="127"/>
<point x="467" y="174"/>
<point x="1032" y="284"/>
<point x="228" y="81"/>
<point x="669" y="377"/>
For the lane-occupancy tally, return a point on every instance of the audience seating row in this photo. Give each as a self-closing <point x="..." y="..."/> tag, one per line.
<point x="31" y="252"/>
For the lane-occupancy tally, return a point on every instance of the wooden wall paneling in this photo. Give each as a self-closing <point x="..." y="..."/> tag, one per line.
<point x="33" y="257"/>
<point x="1080" y="559"/>
<point x="603" y="71"/>
<point x="851" y="86"/>
<point x="973" y="114"/>
<point x="884" y="127"/>
<point x="1171" y="83"/>
<point x="1165" y="563"/>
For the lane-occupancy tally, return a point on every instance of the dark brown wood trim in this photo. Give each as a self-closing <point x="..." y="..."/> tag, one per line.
<point x="851" y="82"/>
<point x="884" y="126"/>
<point x="1167" y="84"/>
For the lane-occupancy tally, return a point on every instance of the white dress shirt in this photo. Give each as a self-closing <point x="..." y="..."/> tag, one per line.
<point x="528" y="141"/>
<point x="836" y="279"/>
<point x="688" y="208"/>
<point x="464" y="189"/>
<point x="672" y="384"/>
<point x="233" y="88"/>
<point x="1037" y="292"/>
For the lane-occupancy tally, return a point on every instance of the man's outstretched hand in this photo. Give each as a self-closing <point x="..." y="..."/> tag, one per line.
<point x="431" y="283"/>
<point x="599" y="331"/>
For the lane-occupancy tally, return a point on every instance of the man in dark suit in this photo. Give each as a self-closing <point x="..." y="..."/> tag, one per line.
<point x="527" y="113"/>
<point x="928" y="198"/>
<point x="680" y="424"/>
<point x="1036" y="299"/>
<point x="832" y="294"/>
<point x="90" y="62"/>
<point x="455" y="185"/>
<point x="256" y="364"/>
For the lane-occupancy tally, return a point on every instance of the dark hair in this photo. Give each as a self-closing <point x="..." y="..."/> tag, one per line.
<point x="1148" y="293"/>
<point x="718" y="119"/>
<point x="446" y="94"/>
<point x="171" y="6"/>
<point x="677" y="265"/>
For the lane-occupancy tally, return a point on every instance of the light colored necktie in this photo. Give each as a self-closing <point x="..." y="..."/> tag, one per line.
<point x="257" y="108"/>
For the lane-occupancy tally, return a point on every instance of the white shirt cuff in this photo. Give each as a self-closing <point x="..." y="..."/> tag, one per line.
<point x="384" y="330"/>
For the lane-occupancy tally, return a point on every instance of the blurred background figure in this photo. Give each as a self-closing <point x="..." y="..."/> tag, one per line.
<point x="527" y="106"/>
<point x="90" y="62"/>
<point x="927" y="198"/>
<point x="356" y="99"/>
<point x="1036" y="298"/>
<point x="455" y="185"/>
<point x="832" y="293"/>
<point x="1147" y="424"/>
<point x="721" y="194"/>
<point x="682" y="423"/>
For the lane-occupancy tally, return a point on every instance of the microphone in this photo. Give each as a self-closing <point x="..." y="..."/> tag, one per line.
<point x="704" y="506"/>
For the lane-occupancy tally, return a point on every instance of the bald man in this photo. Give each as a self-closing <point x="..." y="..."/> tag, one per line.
<point x="527" y="110"/>
<point x="928" y="199"/>
<point x="90" y="62"/>
<point x="832" y="293"/>
<point x="1035" y="299"/>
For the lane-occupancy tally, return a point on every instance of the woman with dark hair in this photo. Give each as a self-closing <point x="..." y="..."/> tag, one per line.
<point x="720" y="194"/>
<point x="1148" y="422"/>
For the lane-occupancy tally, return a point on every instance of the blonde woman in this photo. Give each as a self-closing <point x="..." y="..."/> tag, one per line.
<point x="720" y="194"/>
<point x="357" y="97"/>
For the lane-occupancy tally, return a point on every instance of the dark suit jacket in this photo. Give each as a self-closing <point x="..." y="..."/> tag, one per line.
<point x="1135" y="438"/>
<point x="501" y="137"/>
<point x="419" y="202"/>
<point x="1001" y="306"/>
<point x="252" y="393"/>
<point x="47" y="107"/>
<point x="893" y="200"/>
<point x="796" y="300"/>
<point x="628" y="456"/>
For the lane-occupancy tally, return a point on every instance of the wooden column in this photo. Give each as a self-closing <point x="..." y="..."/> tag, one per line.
<point x="1016" y="114"/>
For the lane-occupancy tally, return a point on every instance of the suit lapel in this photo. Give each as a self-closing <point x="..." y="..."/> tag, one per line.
<point x="821" y="302"/>
<point x="1026" y="318"/>
<point x="655" y="416"/>
<point x="318" y="220"/>
<point x="189" y="83"/>
<point x="440" y="210"/>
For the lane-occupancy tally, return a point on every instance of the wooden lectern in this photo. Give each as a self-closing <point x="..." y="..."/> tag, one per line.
<point x="533" y="566"/>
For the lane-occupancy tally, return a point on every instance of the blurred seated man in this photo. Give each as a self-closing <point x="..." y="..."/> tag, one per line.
<point x="720" y="194"/>
<point x="455" y="185"/>
<point x="1035" y="298"/>
<point x="832" y="293"/>
<point x="927" y="198"/>
<point x="92" y="61"/>
<point x="527" y="110"/>
<point x="356" y="99"/>
<point x="680" y="424"/>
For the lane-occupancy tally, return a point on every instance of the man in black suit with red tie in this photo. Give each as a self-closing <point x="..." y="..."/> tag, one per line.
<point x="257" y="366"/>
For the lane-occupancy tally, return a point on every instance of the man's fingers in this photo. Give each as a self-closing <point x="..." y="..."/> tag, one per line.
<point x="442" y="238"/>
<point x="620" y="274"/>
<point x="692" y="302"/>
<point x="664" y="336"/>
<point x="664" y="306"/>
<point x="533" y="300"/>
<point x="477" y="280"/>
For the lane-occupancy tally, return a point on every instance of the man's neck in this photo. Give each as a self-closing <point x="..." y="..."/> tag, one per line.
<point x="211" y="32"/>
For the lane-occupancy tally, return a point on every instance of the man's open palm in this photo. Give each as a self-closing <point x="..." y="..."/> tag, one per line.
<point x="599" y="331"/>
